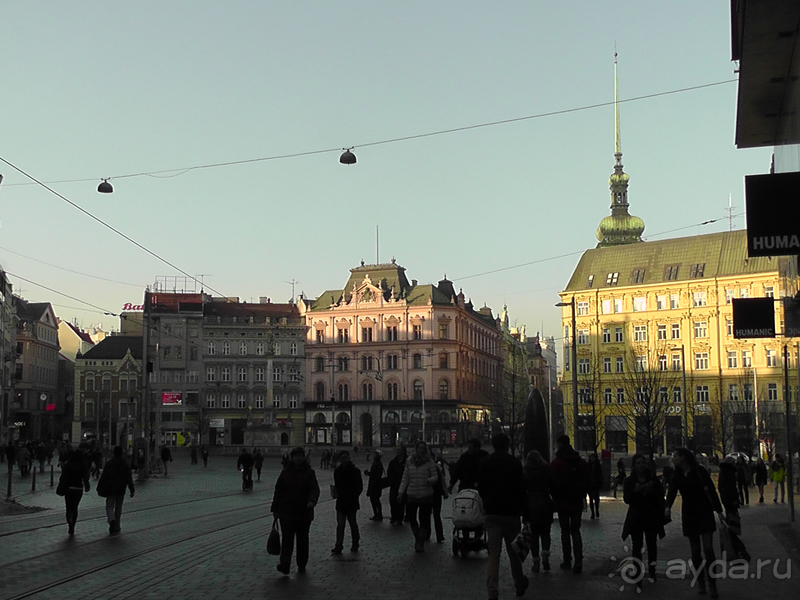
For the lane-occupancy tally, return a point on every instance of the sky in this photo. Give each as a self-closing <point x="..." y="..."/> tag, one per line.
<point x="141" y="92"/>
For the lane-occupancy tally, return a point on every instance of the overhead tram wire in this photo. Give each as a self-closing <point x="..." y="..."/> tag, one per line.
<point x="181" y="171"/>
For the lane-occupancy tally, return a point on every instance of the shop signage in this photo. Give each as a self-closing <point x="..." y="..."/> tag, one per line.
<point x="128" y="307"/>
<point x="753" y="318"/>
<point x="773" y="214"/>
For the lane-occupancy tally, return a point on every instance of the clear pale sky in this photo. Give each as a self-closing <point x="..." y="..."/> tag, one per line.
<point x="107" y="89"/>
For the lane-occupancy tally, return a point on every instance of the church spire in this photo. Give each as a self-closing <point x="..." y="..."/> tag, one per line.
<point x="620" y="227"/>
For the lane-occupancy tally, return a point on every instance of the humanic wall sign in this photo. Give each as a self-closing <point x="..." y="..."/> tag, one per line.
<point x="773" y="214"/>
<point x="753" y="318"/>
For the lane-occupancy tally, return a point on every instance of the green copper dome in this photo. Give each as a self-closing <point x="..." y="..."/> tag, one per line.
<point x="620" y="229"/>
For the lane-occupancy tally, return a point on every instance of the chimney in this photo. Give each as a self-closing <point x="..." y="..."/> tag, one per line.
<point x="262" y="299"/>
<point x="413" y="283"/>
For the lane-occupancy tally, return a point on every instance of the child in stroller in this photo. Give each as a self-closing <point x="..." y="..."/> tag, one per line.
<point x="469" y="534"/>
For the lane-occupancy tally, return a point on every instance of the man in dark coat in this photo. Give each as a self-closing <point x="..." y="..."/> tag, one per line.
<point x="571" y="483"/>
<point x="116" y="478"/>
<point x="394" y="473"/>
<point x="296" y="494"/>
<point x="501" y="484"/>
<point x="349" y="485"/>
<point x="166" y="457"/>
<point x="245" y="465"/>
<point x="375" y="485"/>
<point x="465" y="470"/>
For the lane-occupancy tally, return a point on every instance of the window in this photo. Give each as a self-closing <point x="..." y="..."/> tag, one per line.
<point x="242" y="348"/>
<point x="747" y="359"/>
<point x="241" y="374"/>
<point x="366" y="392"/>
<point x="748" y="391"/>
<point x="729" y="296"/>
<point x="583" y="336"/>
<point x="391" y="362"/>
<point x="733" y="359"/>
<point x="677" y="396"/>
<point x="225" y="401"/>
<point x="344" y="392"/>
<point x="675" y="328"/>
<point x="319" y="392"/>
<point x="700" y="329"/>
<point x="226" y="348"/>
<point x="417" y="361"/>
<point x="620" y="364"/>
<point x="225" y="374"/>
<point x="585" y="395"/>
<point x="697" y="270"/>
<point x="276" y="373"/>
<point x="641" y="363"/>
<point x="191" y="377"/>
<point x="294" y="373"/>
<point x="640" y="333"/>
<point x="608" y="398"/>
<point x="618" y="334"/>
<point x="211" y="401"/>
<point x="733" y="392"/>
<point x="701" y="393"/>
<point x="769" y="291"/>
<point x="674" y="301"/>
<point x="241" y="401"/>
<point x="260" y="346"/>
<point x="417" y="332"/>
<point x="663" y="395"/>
<point x="443" y="360"/>
<point x="89" y="380"/>
<point x="444" y="389"/>
<point x="211" y="348"/>
<point x="320" y="338"/>
<point x="671" y="272"/>
<point x="391" y="334"/>
<point x="772" y="358"/>
<point x="662" y="331"/>
<point x="391" y="391"/>
<point x="366" y="363"/>
<point x="276" y="348"/>
<point x="319" y="364"/>
<point x="590" y="281"/>
<point x="606" y="364"/>
<point x="617" y="305"/>
<point x="366" y="334"/>
<point x="637" y="276"/>
<point x="343" y="336"/>
<point x="293" y="399"/>
<point x="605" y="307"/>
<point x="293" y="349"/>
<point x="193" y="353"/>
<point x="772" y="391"/>
<point x="443" y="331"/>
<point x="612" y="278"/>
<point x="699" y="299"/>
<point x="620" y="396"/>
<point x="259" y="400"/>
<point x="744" y="292"/>
<point x="583" y="366"/>
<point x="662" y="362"/>
<point x="343" y="363"/>
<point x="729" y="327"/>
<point x="640" y="304"/>
<point x="418" y="390"/>
<point x="606" y="335"/>
<point x="211" y="373"/>
<point x="583" y="308"/>
<point x="701" y="361"/>
<point x="661" y="303"/>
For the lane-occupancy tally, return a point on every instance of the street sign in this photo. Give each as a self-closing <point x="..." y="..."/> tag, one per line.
<point x="753" y="318"/>
<point x="791" y="317"/>
<point x="773" y="214"/>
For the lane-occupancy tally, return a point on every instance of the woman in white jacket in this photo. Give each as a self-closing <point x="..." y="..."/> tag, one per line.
<point x="419" y="477"/>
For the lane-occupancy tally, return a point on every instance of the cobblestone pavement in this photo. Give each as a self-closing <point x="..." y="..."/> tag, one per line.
<point x="195" y="534"/>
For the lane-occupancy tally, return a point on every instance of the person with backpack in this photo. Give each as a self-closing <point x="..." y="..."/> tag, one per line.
<point x="571" y="483"/>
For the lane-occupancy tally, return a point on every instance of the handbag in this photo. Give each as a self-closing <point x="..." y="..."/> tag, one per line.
<point x="726" y="546"/>
<point x="334" y="492"/>
<point x="61" y="490"/>
<point x="523" y="542"/>
<point x="274" y="540"/>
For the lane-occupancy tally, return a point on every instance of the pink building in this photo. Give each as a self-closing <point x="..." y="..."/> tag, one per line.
<point x="390" y="361"/>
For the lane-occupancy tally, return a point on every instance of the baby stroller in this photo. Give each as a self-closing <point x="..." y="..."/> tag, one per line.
<point x="468" y="532"/>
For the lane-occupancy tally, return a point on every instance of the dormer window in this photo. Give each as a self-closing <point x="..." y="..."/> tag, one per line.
<point x="637" y="276"/>
<point x="671" y="272"/>
<point x="697" y="270"/>
<point x="612" y="278"/>
<point x="590" y="281"/>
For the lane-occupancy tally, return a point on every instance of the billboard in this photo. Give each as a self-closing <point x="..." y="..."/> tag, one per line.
<point x="773" y="214"/>
<point x="753" y="318"/>
<point x="171" y="398"/>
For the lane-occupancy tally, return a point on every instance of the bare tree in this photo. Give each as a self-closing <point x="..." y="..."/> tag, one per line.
<point x="592" y="405"/>
<point x="512" y="399"/>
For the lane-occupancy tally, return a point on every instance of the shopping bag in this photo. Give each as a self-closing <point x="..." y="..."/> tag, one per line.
<point x="522" y="543"/>
<point x="274" y="540"/>
<point x="726" y="545"/>
<point x="334" y="492"/>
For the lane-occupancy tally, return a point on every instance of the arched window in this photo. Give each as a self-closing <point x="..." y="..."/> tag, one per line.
<point x="419" y="389"/>
<point x="293" y="349"/>
<point x="344" y="392"/>
<point x="391" y="391"/>
<point x="226" y="348"/>
<point x="444" y="417"/>
<point x="444" y="389"/>
<point x="343" y="418"/>
<point x="366" y="392"/>
<point x="211" y="348"/>
<point x="319" y="418"/>
<point x="320" y="392"/>
<point x="443" y="360"/>
<point x="319" y="363"/>
<point x="392" y="417"/>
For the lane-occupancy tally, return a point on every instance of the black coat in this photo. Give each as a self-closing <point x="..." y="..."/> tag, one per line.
<point x="700" y="500"/>
<point x="726" y="484"/>
<point x="501" y="485"/>
<point x="395" y="473"/>
<point x="645" y="505"/>
<point x="466" y="468"/>
<point x="296" y="487"/>
<point x="375" y="474"/>
<point x="116" y="478"/>
<point x="349" y="485"/>
<point x="538" y="488"/>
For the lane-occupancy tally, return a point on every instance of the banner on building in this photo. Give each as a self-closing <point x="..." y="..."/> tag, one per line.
<point x="773" y="214"/>
<point x="753" y="318"/>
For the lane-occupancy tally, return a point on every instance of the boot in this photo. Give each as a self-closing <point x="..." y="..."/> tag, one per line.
<point x="424" y="534"/>
<point x="535" y="565"/>
<point x="652" y="572"/>
<point x="546" y="560"/>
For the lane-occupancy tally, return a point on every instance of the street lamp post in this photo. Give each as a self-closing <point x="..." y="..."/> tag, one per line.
<point x="574" y="370"/>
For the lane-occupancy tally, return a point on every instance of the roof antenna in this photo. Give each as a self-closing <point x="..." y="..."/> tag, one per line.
<point x="377" y="245"/>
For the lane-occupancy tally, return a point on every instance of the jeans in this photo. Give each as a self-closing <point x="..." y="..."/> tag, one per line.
<point x="424" y="509"/>
<point x="782" y="486"/>
<point x="501" y="528"/>
<point x="744" y="492"/>
<point x="396" y="506"/>
<point x="291" y="528"/>
<point x="72" y="498"/>
<point x="350" y="517"/>
<point x="437" y="516"/>
<point x="649" y="536"/>
<point x="114" y="507"/>
<point x="594" y="501"/>
<point x="570" y="522"/>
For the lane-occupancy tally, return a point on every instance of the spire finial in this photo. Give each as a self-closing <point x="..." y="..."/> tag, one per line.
<point x="617" y="139"/>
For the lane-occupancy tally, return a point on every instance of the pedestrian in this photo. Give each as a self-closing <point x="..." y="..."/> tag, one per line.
<point x="41" y="456"/>
<point x="295" y="496"/>
<point x="166" y="457"/>
<point x="538" y="489"/>
<point x="666" y="476"/>
<point x="349" y="485"/>
<point x="595" y="483"/>
<point x="24" y="460"/>
<point x="245" y="464"/>
<point x="777" y="472"/>
<point x="762" y="476"/>
<point x="644" y="495"/>
<point x="742" y="480"/>
<point x="322" y="459"/>
<point x="194" y="454"/>
<point x="439" y="494"/>
<point x="10" y="454"/>
<point x="465" y="471"/>
<point x="416" y="488"/>
<point x="97" y="461"/>
<point x="375" y="485"/>
<point x="699" y="503"/>
<point x="116" y="478"/>
<point x="571" y="477"/>
<point x="619" y="478"/>
<point x="258" y="462"/>
<point x="72" y="483"/>
<point x="394" y="473"/>
<point x="501" y="485"/>
<point x="204" y="454"/>
<point x="726" y="484"/>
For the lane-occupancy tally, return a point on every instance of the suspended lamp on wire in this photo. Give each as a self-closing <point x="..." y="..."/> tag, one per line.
<point x="105" y="187"/>
<point x="347" y="157"/>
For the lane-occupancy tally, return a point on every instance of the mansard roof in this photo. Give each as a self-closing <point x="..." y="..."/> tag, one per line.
<point x="115" y="347"/>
